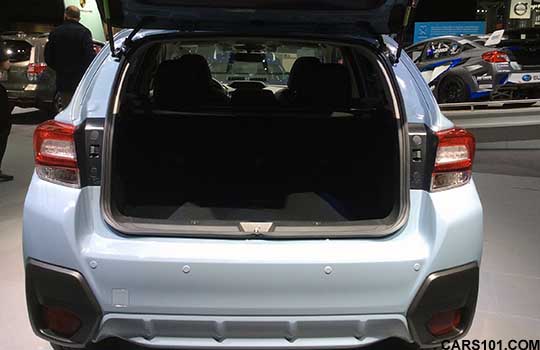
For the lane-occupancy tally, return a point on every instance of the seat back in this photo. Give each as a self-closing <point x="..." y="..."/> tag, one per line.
<point x="186" y="82"/>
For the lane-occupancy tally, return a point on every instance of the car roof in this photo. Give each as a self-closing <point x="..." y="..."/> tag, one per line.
<point x="32" y="38"/>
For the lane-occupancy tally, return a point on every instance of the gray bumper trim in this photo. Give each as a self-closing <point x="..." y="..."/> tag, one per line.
<point x="223" y="332"/>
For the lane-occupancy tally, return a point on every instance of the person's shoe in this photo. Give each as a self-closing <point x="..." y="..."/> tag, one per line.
<point x="5" y="177"/>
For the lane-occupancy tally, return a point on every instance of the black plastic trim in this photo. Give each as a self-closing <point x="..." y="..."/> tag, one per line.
<point x="89" y="145"/>
<point x="50" y="285"/>
<point x="452" y="289"/>
<point x="423" y="147"/>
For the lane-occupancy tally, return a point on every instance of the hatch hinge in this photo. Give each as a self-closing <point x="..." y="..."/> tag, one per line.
<point x="401" y="36"/>
<point x="118" y="52"/>
<point x="108" y="23"/>
<point x="129" y="40"/>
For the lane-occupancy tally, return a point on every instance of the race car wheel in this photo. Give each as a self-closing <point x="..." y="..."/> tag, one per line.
<point x="452" y="89"/>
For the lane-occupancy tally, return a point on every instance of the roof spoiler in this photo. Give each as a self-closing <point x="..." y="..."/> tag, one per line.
<point x="495" y="38"/>
<point x="107" y="15"/>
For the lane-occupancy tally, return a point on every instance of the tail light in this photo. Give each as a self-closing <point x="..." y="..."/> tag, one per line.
<point x="496" y="57"/>
<point x="454" y="159"/>
<point x="34" y="70"/>
<point x="55" y="153"/>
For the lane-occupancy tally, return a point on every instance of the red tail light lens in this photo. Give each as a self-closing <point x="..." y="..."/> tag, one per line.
<point x="454" y="160"/>
<point x="444" y="323"/>
<point x="55" y="153"/>
<point x="60" y="321"/>
<point x="495" y="57"/>
<point x="34" y="70"/>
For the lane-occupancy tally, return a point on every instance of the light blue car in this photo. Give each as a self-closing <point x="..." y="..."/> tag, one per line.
<point x="170" y="209"/>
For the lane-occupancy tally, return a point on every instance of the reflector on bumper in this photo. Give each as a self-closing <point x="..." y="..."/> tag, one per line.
<point x="439" y="297"/>
<point x="61" y="306"/>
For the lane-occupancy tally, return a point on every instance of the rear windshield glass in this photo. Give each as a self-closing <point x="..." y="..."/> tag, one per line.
<point x="271" y="65"/>
<point x="275" y="4"/>
<point x="17" y="51"/>
<point x="255" y="74"/>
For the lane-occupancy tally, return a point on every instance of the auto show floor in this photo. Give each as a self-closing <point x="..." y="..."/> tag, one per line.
<point x="508" y="308"/>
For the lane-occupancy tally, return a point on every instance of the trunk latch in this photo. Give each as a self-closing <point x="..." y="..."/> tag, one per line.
<point x="257" y="228"/>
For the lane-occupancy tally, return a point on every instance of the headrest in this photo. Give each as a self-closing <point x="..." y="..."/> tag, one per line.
<point x="302" y="72"/>
<point x="334" y="86"/>
<point x="181" y="79"/>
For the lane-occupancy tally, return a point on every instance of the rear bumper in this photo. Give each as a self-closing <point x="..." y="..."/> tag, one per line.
<point x="357" y="283"/>
<point x="237" y="332"/>
<point x="49" y="285"/>
<point x="514" y="86"/>
<point x="518" y="90"/>
<point x="29" y="98"/>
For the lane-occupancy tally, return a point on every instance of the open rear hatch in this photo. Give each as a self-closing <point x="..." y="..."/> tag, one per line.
<point x="375" y="16"/>
<point x="321" y="173"/>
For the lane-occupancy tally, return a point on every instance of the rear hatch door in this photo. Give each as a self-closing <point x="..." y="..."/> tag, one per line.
<point x="373" y="16"/>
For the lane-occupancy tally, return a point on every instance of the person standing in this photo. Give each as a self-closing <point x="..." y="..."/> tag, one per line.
<point x="5" y="111"/>
<point x="69" y="52"/>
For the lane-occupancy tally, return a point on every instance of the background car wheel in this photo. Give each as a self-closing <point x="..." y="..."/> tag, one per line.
<point x="452" y="89"/>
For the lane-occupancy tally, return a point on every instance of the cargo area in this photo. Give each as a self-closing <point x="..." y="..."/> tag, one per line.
<point x="262" y="150"/>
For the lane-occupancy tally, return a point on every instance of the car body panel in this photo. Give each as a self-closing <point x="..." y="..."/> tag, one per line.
<point x="420" y="104"/>
<point x="229" y="277"/>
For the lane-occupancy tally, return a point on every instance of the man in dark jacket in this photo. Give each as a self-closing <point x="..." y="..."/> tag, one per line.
<point x="69" y="52"/>
<point x="5" y="124"/>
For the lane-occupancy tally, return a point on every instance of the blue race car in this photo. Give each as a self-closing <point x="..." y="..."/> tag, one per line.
<point x="461" y="69"/>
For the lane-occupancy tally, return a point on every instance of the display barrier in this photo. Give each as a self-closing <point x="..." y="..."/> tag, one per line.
<point x="499" y="124"/>
<point x="492" y="114"/>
